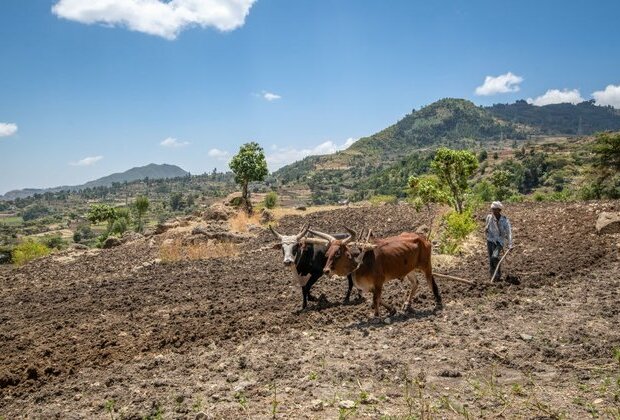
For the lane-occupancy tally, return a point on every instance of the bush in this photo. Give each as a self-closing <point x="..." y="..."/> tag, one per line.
<point x="29" y="250"/>
<point x="83" y="233"/>
<point x="456" y="228"/>
<point x="54" y="241"/>
<point x="379" y="199"/>
<point x="35" y="211"/>
<point x="271" y="199"/>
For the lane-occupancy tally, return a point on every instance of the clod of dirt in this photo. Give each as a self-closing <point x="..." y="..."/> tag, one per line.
<point x="316" y="405"/>
<point x="450" y="373"/>
<point x="608" y="223"/>
<point x="346" y="404"/>
<point x="111" y="242"/>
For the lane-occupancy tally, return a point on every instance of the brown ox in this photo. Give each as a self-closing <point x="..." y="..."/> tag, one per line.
<point x="396" y="257"/>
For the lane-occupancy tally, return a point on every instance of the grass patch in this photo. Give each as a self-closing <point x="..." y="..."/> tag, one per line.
<point x="12" y="221"/>
<point x="241" y="221"/>
<point x="376" y="200"/>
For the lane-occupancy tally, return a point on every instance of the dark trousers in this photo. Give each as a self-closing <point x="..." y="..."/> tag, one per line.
<point x="495" y="249"/>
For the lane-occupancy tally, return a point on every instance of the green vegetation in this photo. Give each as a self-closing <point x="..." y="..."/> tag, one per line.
<point x="454" y="168"/>
<point x="142" y="205"/>
<point x="456" y="228"/>
<point x="249" y="165"/>
<point x="605" y="181"/>
<point x="581" y="119"/>
<point x="271" y="199"/>
<point x="35" y="211"/>
<point x="383" y="199"/>
<point x="29" y="250"/>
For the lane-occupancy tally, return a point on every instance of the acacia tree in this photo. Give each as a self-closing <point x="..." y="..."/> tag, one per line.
<point x="249" y="165"/>
<point x="454" y="168"/>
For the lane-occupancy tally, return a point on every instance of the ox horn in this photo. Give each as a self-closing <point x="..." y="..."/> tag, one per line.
<point x="326" y="236"/>
<point x="352" y="236"/>
<point x="304" y="230"/>
<point x="275" y="233"/>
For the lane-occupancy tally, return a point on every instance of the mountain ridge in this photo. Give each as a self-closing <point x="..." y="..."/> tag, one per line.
<point x="152" y="171"/>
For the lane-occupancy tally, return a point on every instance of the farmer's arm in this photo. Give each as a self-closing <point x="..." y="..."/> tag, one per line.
<point x="509" y="233"/>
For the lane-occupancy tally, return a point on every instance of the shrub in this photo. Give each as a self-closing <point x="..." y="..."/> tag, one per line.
<point x="54" y="241"/>
<point x="379" y="199"/>
<point x="271" y="199"/>
<point x="83" y="233"/>
<point x="35" y="211"/>
<point x="456" y="228"/>
<point x="29" y="250"/>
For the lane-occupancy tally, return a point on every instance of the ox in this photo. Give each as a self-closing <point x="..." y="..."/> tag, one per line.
<point x="306" y="257"/>
<point x="396" y="257"/>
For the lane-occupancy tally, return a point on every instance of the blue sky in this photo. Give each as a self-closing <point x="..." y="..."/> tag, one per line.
<point x="91" y="87"/>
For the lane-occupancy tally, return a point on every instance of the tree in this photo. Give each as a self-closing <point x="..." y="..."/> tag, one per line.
<point x="101" y="213"/>
<point x="176" y="201"/>
<point x="142" y="205"/>
<point x="607" y="151"/>
<point x="248" y="165"/>
<point x="425" y="191"/>
<point x="501" y="182"/>
<point x="453" y="169"/>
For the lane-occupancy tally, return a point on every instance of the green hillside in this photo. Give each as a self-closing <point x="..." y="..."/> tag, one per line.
<point x="456" y="123"/>
<point x="560" y="119"/>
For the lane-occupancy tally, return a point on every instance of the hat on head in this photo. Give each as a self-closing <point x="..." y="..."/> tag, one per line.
<point x="496" y="205"/>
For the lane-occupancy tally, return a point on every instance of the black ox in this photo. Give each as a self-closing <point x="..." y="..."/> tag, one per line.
<point x="307" y="260"/>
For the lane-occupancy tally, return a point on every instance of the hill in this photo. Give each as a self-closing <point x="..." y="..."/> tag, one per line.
<point x="560" y="119"/>
<point x="449" y="122"/>
<point x="150" y="171"/>
<point x="381" y="163"/>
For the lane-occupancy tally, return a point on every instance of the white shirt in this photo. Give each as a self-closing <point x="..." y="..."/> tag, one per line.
<point x="498" y="230"/>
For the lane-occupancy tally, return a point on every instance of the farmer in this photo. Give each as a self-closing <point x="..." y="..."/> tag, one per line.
<point x="499" y="234"/>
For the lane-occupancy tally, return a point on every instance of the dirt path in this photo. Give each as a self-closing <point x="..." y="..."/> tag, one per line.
<point x="102" y="335"/>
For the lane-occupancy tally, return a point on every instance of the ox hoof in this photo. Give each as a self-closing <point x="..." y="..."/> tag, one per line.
<point x="312" y="298"/>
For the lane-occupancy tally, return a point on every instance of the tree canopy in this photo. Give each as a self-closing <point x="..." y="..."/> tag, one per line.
<point x="249" y="165"/>
<point x="454" y="168"/>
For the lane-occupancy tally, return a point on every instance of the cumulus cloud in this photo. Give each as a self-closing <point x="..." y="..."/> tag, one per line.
<point x="172" y="142"/>
<point x="164" y="18"/>
<point x="503" y="83"/>
<point x="609" y="96"/>
<point x="87" y="161"/>
<point x="7" y="129"/>
<point x="271" y="96"/>
<point x="281" y="156"/>
<point x="218" y="154"/>
<point x="556" y="96"/>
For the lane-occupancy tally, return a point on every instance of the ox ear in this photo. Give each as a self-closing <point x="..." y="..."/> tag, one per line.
<point x="277" y="246"/>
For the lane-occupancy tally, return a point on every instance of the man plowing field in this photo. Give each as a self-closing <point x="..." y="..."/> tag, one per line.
<point x="499" y="234"/>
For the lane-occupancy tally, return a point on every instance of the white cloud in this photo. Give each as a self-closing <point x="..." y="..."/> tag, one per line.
<point x="556" y="96"/>
<point x="172" y="142"/>
<point x="219" y="154"/>
<point x="281" y="156"/>
<point x="503" y="83"/>
<point x="609" y="96"/>
<point x="164" y="18"/>
<point x="271" y="96"/>
<point x="87" y="161"/>
<point x="7" y="129"/>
